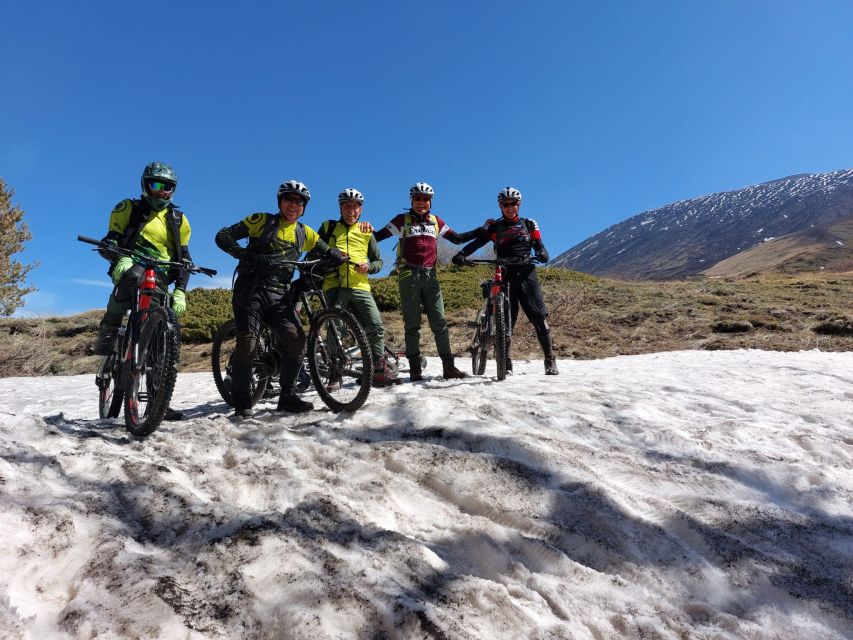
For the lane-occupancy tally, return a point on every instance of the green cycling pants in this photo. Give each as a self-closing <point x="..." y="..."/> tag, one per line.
<point x="419" y="289"/>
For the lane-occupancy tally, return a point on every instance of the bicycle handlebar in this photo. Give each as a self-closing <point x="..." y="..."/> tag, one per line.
<point x="504" y="262"/>
<point x="147" y="260"/>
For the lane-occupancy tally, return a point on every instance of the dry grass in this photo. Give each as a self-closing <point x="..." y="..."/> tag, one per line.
<point x="590" y="318"/>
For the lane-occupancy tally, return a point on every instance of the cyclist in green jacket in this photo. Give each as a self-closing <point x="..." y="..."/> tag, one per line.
<point x="262" y="291"/>
<point x="348" y="286"/>
<point x="151" y="225"/>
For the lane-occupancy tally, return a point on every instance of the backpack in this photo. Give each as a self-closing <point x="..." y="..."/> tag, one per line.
<point x="528" y="224"/>
<point x="137" y="220"/>
<point x="270" y="230"/>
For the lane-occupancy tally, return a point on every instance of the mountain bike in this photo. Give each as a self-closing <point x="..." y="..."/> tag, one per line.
<point x="493" y="325"/>
<point x="266" y="366"/>
<point x="143" y="366"/>
<point x="338" y="357"/>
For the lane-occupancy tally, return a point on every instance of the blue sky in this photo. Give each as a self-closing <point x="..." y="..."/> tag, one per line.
<point x="596" y="111"/>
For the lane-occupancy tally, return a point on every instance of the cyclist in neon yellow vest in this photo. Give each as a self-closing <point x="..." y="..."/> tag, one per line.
<point x="348" y="286"/>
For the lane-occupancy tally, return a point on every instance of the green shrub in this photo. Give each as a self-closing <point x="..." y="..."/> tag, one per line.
<point x="207" y="309"/>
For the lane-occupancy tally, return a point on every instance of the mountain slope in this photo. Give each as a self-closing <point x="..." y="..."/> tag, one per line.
<point x="829" y="248"/>
<point x="688" y="237"/>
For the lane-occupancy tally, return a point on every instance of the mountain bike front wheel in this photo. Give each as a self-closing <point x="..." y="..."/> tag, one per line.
<point x="149" y="389"/>
<point x="501" y="313"/>
<point x="480" y="344"/>
<point x="339" y="360"/>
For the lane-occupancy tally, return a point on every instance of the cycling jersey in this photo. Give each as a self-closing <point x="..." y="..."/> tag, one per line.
<point x="268" y="234"/>
<point x="134" y="225"/>
<point x="419" y="237"/>
<point x="360" y="247"/>
<point x="513" y="239"/>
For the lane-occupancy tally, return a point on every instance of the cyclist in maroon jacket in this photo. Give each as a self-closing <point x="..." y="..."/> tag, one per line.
<point x="514" y="238"/>
<point x="419" y="230"/>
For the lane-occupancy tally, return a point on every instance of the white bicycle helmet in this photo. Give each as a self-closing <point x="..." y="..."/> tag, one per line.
<point x="350" y="194"/>
<point x="509" y="193"/>
<point x="421" y="189"/>
<point x="294" y="186"/>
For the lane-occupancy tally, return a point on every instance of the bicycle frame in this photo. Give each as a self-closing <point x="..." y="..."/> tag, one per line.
<point x="124" y="370"/>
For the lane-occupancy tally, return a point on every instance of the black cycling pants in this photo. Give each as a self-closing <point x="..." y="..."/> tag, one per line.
<point x="525" y="291"/>
<point x="254" y="306"/>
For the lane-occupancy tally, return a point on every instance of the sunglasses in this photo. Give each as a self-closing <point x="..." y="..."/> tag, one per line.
<point x="165" y="187"/>
<point x="421" y="198"/>
<point x="293" y="199"/>
<point x="506" y="204"/>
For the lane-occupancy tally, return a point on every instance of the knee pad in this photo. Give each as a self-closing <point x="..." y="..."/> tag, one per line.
<point x="129" y="283"/>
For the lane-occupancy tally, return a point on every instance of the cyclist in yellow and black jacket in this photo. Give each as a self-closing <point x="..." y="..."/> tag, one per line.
<point x="348" y="286"/>
<point x="154" y="226"/>
<point x="262" y="291"/>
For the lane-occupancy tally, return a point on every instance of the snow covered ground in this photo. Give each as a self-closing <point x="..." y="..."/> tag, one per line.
<point x="681" y="495"/>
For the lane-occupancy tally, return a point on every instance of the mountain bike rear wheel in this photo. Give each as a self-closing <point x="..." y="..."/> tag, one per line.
<point x="224" y="343"/>
<point x="339" y="360"/>
<point x="501" y="312"/>
<point x="480" y="344"/>
<point x="149" y="389"/>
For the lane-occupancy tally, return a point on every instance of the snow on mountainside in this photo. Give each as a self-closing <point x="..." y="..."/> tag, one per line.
<point x="687" y="237"/>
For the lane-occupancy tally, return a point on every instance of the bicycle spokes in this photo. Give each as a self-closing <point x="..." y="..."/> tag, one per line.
<point x="339" y="360"/>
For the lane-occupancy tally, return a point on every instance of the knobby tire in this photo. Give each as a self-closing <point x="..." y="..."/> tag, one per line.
<point x="110" y="392"/>
<point x="159" y="352"/>
<point x="480" y="344"/>
<point x="224" y="343"/>
<point x="501" y="334"/>
<point x="342" y="377"/>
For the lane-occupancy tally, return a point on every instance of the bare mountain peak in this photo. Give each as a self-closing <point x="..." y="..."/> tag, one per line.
<point x="689" y="236"/>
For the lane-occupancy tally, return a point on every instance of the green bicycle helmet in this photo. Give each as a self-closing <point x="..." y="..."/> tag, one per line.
<point x="158" y="172"/>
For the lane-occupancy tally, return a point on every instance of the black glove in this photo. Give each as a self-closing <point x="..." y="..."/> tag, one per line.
<point x="335" y="255"/>
<point x="461" y="260"/>
<point x="541" y="256"/>
<point x="264" y="260"/>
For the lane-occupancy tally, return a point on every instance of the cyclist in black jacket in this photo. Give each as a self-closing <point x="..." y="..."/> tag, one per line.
<point x="262" y="291"/>
<point x="514" y="237"/>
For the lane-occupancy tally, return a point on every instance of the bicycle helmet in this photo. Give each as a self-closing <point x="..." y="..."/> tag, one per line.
<point x="157" y="172"/>
<point x="509" y="193"/>
<point x="421" y="189"/>
<point x="294" y="186"/>
<point x="350" y="194"/>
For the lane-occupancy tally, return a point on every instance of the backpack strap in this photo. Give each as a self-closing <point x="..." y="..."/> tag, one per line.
<point x="299" y="233"/>
<point x="267" y="234"/>
<point x="174" y="219"/>
<point x="270" y="230"/>
<point x="327" y="230"/>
